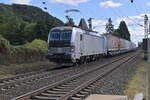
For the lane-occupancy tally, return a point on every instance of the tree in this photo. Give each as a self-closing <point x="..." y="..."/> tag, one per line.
<point x="22" y="23"/>
<point x="13" y="30"/>
<point x="40" y="30"/>
<point x="29" y="31"/>
<point x="109" y="26"/>
<point x="122" y="31"/>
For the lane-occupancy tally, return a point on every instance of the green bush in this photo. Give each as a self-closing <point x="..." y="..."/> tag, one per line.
<point x="30" y="52"/>
<point x="5" y="46"/>
<point x="38" y="44"/>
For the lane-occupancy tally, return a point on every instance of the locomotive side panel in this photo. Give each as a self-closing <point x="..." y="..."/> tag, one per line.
<point x="92" y="45"/>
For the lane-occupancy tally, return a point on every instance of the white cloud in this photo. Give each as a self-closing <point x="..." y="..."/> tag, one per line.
<point x="148" y="3"/>
<point x="99" y="25"/>
<point x="21" y="1"/>
<point x="137" y="34"/>
<point x="135" y="25"/>
<point x="99" y="22"/>
<point x="110" y="4"/>
<point x="69" y="2"/>
<point x="132" y="20"/>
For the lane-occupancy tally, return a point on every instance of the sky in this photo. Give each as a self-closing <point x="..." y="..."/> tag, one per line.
<point x="100" y="10"/>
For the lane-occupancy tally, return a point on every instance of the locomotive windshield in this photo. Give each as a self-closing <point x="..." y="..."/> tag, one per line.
<point x="58" y="38"/>
<point x="57" y="35"/>
<point x="66" y="35"/>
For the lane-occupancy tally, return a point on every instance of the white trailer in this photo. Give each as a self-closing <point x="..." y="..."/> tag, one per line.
<point x="117" y="45"/>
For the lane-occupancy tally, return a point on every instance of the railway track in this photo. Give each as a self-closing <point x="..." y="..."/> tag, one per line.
<point x="78" y="86"/>
<point x="24" y="79"/>
<point x="13" y="82"/>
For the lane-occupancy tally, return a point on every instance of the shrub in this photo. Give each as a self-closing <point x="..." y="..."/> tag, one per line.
<point x="30" y="52"/>
<point x="38" y="44"/>
<point x="5" y="46"/>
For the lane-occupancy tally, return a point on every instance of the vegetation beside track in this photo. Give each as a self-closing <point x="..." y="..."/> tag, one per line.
<point x="30" y="52"/>
<point x="13" y="69"/>
<point x="138" y="83"/>
<point x="21" y="59"/>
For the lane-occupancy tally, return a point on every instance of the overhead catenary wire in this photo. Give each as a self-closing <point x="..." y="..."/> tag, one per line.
<point x="124" y="17"/>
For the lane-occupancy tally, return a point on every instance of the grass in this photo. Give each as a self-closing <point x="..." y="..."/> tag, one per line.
<point x="5" y="75"/>
<point x="139" y="81"/>
<point x="13" y="69"/>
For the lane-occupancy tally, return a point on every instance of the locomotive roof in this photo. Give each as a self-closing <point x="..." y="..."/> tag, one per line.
<point x="71" y="27"/>
<point x="63" y="27"/>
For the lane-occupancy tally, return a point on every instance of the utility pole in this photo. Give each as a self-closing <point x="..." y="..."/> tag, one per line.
<point x="148" y="54"/>
<point x="109" y="26"/>
<point x="90" y="23"/>
<point x="146" y="47"/>
<point x="149" y="28"/>
<point x="146" y="27"/>
<point x="146" y="32"/>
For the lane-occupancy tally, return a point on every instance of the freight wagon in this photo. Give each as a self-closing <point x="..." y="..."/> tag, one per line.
<point x="73" y="45"/>
<point x="117" y="45"/>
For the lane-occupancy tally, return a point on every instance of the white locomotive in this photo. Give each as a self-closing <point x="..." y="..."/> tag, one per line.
<point x="73" y="45"/>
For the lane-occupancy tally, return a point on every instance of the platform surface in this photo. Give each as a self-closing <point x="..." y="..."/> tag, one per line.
<point x="106" y="97"/>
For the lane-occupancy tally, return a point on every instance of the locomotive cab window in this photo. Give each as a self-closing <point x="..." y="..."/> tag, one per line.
<point x="55" y="35"/>
<point x="66" y="35"/>
<point x="60" y="35"/>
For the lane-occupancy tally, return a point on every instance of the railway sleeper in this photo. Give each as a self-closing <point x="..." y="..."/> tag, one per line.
<point x="75" y="98"/>
<point x="70" y="87"/>
<point x="51" y="95"/>
<point x="56" y="92"/>
<point x="63" y="90"/>
<point x="65" y="85"/>
<point x="72" y="83"/>
<point x="44" y="98"/>
<point x="83" y="92"/>
<point x="87" y="90"/>
<point x="7" y="82"/>
<point x="80" y="95"/>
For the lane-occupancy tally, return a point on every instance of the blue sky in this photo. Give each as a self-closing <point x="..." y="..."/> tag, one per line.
<point x="100" y="10"/>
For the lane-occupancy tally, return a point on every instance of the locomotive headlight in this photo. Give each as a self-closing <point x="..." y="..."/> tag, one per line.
<point x="72" y="48"/>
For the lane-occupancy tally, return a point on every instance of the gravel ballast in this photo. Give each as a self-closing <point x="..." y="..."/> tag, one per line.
<point x="115" y="83"/>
